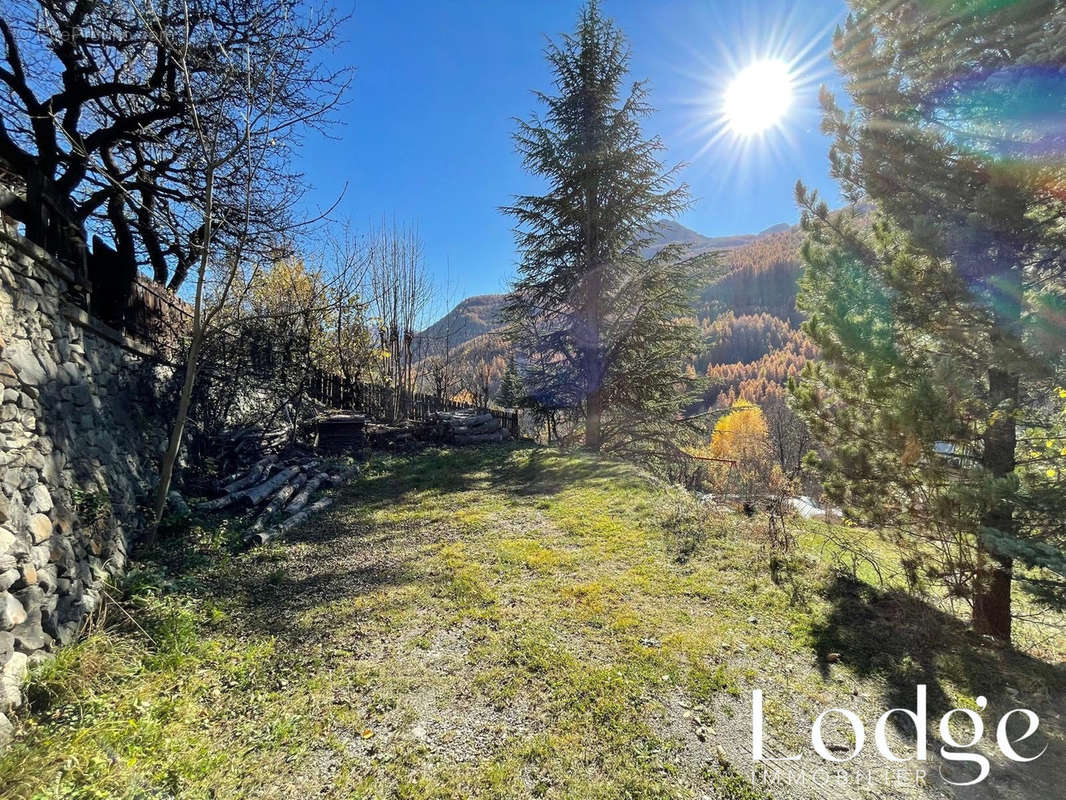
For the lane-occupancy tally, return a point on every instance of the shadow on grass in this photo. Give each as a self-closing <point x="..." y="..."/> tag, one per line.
<point x="537" y="471"/>
<point x="903" y="641"/>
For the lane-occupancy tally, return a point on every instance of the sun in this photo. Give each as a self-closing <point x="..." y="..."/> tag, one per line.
<point x="758" y="97"/>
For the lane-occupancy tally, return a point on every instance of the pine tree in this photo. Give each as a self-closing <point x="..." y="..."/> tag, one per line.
<point x="932" y="320"/>
<point x="511" y="389"/>
<point x="600" y="325"/>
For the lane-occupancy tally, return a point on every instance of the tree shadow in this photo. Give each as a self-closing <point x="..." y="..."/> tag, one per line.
<point x="902" y="640"/>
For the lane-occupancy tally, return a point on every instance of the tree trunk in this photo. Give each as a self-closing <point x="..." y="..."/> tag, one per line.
<point x="593" y="421"/>
<point x="992" y="589"/>
<point x="192" y="367"/>
<point x="177" y="431"/>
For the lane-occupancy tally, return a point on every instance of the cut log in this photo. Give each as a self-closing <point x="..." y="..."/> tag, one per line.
<point x="472" y="419"/>
<point x="257" y="494"/>
<point x="254" y="475"/>
<point x="289" y="523"/>
<point x="301" y="499"/>
<point x="278" y="501"/>
<point x="476" y="430"/>
<point x="219" y="502"/>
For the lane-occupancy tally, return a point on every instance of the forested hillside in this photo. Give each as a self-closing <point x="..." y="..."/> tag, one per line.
<point x="748" y="316"/>
<point x="746" y="311"/>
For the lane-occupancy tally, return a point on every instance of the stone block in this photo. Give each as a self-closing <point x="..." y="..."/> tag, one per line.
<point x="28" y="370"/>
<point x="40" y="528"/>
<point x="30" y="635"/>
<point x="11" y="680"/>
<point x="9" y="577"/>
<point x="12" y="612"/>
<point x="42" y="499"/>
<point x="47" y="577"/>
<point x="27" y="577"/>
<point x="61" y="553"/>
<point x="40" y="555"/>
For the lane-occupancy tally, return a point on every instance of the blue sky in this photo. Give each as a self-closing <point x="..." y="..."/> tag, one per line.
<point x="425" y="136"/>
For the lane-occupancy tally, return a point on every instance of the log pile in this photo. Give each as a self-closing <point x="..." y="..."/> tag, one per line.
<point x="393" y="437"/>
<point x="248" y="444"/>
<point x="278" y="492"/>
<point x="469" y="426"/>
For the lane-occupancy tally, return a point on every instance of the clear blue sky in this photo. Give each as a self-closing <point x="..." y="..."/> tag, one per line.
<point x="426" y="133"/>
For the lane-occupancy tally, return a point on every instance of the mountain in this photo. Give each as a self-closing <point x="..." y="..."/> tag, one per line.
<point x="473" y="317"/>
<point x="747" y="311"/>
<point x="780" y="227"/>
<point x="477" y="315"/>
<point x="667" y="231"/>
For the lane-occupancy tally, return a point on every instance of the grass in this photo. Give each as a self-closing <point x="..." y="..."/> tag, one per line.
<point x="504" y="622"/>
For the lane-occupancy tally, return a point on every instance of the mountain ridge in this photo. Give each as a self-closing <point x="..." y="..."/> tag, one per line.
<point x="479" y="314"/>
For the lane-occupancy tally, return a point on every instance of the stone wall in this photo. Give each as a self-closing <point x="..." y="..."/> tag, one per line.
<point x="82" y="428"/>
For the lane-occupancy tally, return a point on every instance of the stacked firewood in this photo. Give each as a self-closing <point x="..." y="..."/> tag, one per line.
<point x="234" y="450"/>
<point x="278" y="492"/>
<point x="470" y="426"/>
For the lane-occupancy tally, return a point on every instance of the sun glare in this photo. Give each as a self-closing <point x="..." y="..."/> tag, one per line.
<point x="758" y="97"/>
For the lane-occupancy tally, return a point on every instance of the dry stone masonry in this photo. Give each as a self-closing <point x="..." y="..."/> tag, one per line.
<point x="81" y="432"/>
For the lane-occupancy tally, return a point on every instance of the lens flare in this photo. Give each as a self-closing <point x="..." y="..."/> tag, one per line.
<point x="758" y="97"/>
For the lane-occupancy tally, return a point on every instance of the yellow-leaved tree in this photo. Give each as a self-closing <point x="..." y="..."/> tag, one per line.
<point x="741" y="435"/>
<point x="742" y="465"/>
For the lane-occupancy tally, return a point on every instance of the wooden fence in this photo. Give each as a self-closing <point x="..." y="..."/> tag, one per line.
<point x="157" y="316"/>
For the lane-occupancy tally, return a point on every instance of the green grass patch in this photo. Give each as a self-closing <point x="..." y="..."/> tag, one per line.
<point x="505" y="622"/>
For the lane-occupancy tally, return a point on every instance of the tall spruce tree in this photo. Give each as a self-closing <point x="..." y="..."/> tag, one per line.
<point x="937" y="321"/>
<point x="600" y="325"/>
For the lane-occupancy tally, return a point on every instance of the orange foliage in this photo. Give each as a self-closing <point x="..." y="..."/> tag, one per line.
<point x="775" y="352"/>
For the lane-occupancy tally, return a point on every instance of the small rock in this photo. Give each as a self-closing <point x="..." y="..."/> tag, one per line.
<point x="11" y="611"/>
<point x="752" y="620"/>
<point x="42" y="499"/>
<point x="419" y="733"/>
<point x="40" y="528"/>
<point x="177" y="503"/>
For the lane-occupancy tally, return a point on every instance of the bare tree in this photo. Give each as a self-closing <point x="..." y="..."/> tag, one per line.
<point x="348" y="349"/>
<point x="237" y="116"/>
<point x="99" y="103"/>
<point x="400" y="293"/>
